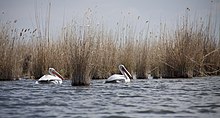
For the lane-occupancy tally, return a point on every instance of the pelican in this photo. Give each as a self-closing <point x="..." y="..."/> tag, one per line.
<point x="117" y="78"/>
<point x="54" y="78"/>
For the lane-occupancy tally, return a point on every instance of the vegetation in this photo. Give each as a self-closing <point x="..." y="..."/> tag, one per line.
<point x="92" y="51"/>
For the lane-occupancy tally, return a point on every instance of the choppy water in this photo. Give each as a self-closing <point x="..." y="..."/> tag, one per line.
<point x="140" y="98"/>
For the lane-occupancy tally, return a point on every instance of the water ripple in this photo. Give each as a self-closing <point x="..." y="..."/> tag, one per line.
<point x="140" y="98"/>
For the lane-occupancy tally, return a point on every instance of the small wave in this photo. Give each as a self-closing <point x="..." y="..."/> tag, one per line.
<point x="211" y="106"/>
<point x="136" y="99"/>
<point x="206" y="111"/>
<point x="162" y="111"/>
<point x="115" y="116"/>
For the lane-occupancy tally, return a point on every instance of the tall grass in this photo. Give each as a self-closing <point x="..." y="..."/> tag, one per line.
<point x="81" y="47"/>
<point x="6" y="52"/>
<point x="192" y="50"/>
<point x="90" y="50"/>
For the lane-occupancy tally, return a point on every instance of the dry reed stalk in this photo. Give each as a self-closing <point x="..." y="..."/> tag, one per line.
<point x="81" y="62"/>
<point x="93" y="51"/>
<point x="188" y="50"/>
<point x="7" y="51"/>
<point x="42" y="47"/>
<point x="81" y="47"/>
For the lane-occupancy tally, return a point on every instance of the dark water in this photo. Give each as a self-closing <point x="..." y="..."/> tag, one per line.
<point x="140" y="98"/>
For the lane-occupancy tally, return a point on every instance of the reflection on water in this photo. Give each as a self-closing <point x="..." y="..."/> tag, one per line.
<point x="140" y="98"/>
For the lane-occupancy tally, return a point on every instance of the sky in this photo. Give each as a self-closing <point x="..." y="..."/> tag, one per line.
<point x="108" y="12"/>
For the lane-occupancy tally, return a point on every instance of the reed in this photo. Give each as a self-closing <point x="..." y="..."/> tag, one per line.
<point x="81" y="56"/>
<point x="6" y="52"/>
<point x="81" y="45"/>
<point x="89" y="50"/>
<point x="190" y="50"/>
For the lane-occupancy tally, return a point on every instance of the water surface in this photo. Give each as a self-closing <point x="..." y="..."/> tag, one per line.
<point x="140" y="98"/>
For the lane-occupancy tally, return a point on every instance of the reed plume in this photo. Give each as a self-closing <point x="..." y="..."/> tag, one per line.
<point x="89" y="50"/>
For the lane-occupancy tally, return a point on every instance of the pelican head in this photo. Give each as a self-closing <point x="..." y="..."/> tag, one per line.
<point x="124" y="71"/>
<point x="52" y="71"/>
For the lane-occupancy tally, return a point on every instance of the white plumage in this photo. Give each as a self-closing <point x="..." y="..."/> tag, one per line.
<point x="117" y="78"/>
<point x="54" y="78"/>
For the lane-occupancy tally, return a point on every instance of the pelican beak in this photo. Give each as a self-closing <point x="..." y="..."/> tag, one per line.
<point x="57" y="74"/>
<point x="129" y="75"/>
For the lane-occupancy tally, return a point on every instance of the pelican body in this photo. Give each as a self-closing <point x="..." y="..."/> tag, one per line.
<point x="54" y="78"/>
<point x="117" y="78"/>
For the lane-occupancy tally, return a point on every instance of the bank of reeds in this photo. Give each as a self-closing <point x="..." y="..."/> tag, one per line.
<point x="191" y="50"/>
<point x="90" y="50"/>
<point x="6" y="52"/>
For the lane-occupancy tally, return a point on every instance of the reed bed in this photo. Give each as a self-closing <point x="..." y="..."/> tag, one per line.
<point x="89" y="50"/>
<point x="6" y="52"/>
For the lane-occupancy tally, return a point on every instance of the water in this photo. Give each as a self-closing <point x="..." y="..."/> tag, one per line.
<point x="140" y="98"/>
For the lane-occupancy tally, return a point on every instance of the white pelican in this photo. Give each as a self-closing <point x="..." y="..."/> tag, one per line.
<point x="54" y="78"/>
<point x="117" y="78"/>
